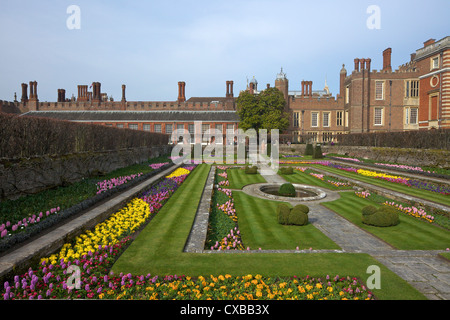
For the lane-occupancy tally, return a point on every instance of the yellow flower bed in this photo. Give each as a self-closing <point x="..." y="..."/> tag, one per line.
<point x="374" y="174"/>
<point x="178" y="172"/>
<point x="106" y="233"/>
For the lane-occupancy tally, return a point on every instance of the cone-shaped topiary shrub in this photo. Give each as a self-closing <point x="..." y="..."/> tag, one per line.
<point x="317" y="154"/>
<point x="309" y="150"/>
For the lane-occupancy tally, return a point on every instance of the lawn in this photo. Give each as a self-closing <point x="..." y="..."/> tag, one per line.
<point x="158" y="249"/>
<point x="422" y="194"/>
<point x="305" y="178"/>
<point x="239" y="179"/>
<point x="410" y="234"/>
<point x="260" y="229"/>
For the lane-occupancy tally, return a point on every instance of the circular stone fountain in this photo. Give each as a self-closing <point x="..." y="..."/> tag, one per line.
<point x="303" y="192"/>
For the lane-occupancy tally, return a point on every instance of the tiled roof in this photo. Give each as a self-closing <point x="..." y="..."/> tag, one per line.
<point x="112" y="116"/>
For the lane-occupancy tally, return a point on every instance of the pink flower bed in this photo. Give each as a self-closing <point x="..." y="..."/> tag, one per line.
<point x="8" y="227"/>
<point x="104" y="185"/>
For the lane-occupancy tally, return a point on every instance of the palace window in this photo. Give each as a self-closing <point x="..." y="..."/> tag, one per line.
<point x="326" y="119"/>
<point x="411" y="115"/>
<point x="339" y="115"/>
<point x="158" y="128"/>
<point x="379" y="90"/>
<point x="435" y="63"/>
<point x="133" y="126"/>
<point x="412" y="89"/>
<point x="296" y="119"/>
<point x="347" y="94"/>
<point x="378" y="119"/>
<point x="169" y="128"/>
<point x="314" y="119"/>
<point x="146" y="127"/>
<point x="327" y="136"/>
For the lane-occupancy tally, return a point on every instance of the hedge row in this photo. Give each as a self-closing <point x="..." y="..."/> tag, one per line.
<point x="24" y="136"/>
<point x="416" y="139"/>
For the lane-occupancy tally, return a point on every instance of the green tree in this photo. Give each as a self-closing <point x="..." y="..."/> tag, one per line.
<point x="262" y="111"/>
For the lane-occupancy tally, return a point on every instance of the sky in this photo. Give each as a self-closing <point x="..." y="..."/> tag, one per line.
<point x="152" y="45"/>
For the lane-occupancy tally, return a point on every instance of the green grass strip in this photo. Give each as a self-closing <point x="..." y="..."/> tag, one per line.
<point x="410" y="234"/>
<point x="422" y="194"/>
<point x="158" y="250"/>
<point x="260" y="229"/>
<point x="239" y="179"/>
<point x="299" y="177"/>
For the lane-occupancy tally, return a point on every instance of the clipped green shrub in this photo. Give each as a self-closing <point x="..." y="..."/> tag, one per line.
<point x="251" y="170"/>
<point x="317" y="154"/>
<point x="368" y="210"/>
<point x="286" y="170"/>
<point x="283" y="212"/>
<point x="298" y="217"/>
<point x="286" y="190"/>
<point x="309" y="150"/>
<point x="302" y="207"/>
<point x="382" y="217"/>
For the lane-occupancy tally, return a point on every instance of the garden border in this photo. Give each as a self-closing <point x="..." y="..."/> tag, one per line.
<point x="18" y="260"/>
<point x="15" y="240"/>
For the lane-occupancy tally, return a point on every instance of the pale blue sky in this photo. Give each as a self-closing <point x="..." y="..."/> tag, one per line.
<point x="151" y="45"/>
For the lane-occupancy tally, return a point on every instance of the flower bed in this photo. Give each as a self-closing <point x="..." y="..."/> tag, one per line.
<point x="95" y="250"/>
<point x="224" y="233"/>
<point x="81" y="196"/>
<point x="329" y="179"/>
<point x="8" y="228"/>
<point x="410" y="210"/>
<point x="104" y="185"/>
<point x="442" y="189"/>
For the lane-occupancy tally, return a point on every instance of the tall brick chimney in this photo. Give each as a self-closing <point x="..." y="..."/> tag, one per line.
<point x="356" y="65"/>
<point x="387" y="59"/>
<point x="181" y="91"/>
<point x="24" y="93"/>
<point x="230" y="93"/>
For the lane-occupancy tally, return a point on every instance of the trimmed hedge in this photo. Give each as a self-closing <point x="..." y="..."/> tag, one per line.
<point x="286" y="190"/>
<point x="251" y="170"/>
<point x="382" y="217"/>
<point x="26" y="136"/>
<point x="317" y="154"/>
<point x="283" y="212"/>
<point x="309" y="150"/>
<point x="286" y="170"/>
<point x="296" y="216"/>
<point x="415" y="139"/>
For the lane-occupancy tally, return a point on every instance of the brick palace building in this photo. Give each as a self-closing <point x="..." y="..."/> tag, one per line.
<point x="415" y="96"/>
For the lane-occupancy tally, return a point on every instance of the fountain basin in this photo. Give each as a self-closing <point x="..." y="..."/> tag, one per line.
<point x="303" y="192"/>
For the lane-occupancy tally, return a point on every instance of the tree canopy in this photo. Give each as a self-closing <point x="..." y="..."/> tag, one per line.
<point x="262" y="111"/>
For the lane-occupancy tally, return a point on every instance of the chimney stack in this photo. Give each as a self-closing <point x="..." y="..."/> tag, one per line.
<point x="181" y="91"/>
<point x="387" y="59"/>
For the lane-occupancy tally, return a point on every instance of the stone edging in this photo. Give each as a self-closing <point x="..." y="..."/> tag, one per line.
<point x="197" y="237"/>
